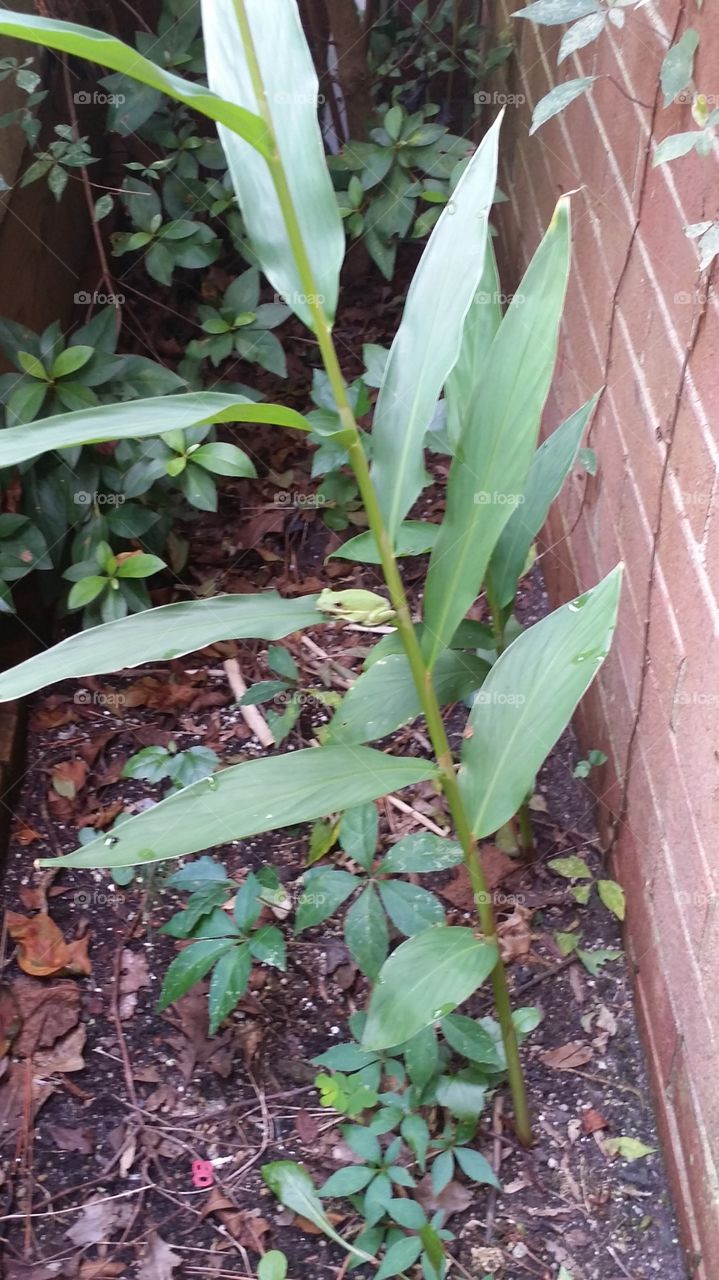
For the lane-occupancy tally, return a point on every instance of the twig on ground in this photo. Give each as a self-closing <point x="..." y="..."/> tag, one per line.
<point x="252" y="716"/>
<point x="496" y="1162"/>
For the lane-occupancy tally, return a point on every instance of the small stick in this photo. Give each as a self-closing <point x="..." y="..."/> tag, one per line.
<point x="415" y="813"/>
<point x="252" y="716"/>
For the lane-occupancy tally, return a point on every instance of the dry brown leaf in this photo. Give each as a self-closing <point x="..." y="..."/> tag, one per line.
<point x="64" y="1056"/>
<point x="98" y="1219"/>
<point x="455" y="1197"/>
<point x="307" y="1127"/>
<point x="47" y="1011"/>
<point x="101" y="818"/>
<point x="311" y="1228"/>
<point x="68" y="778"/>
<point x="31" y="897"/>
<point x="133" y="975"/>
<point x="246" y="1226"/>
<point x="26" y="834"/>
<point x="592" y="1121"/>
<point x="13" y="1099"/>
<point x="515" y="935"/>
<point x="567" y="1057"/>
<point x="56" y="711"/>
<point x="496" y="867"/>
<point x="488" y="1259"/>
<point x="15" y="1269"/>
<point x="43" y="950"/>
<point x="80" y="1140"/>
<point x="101" y="1270"/>
<point x="158" y="1260"/>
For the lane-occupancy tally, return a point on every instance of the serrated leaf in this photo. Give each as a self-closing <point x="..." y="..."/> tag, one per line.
<point x="359" y="828"/>
<point x="190" y="966"/>
<point x="421" y="853"/>
<point x="476" y="1167"/>
<point x="409" y="907"/>
<point x="324" y="890"/>
<point x="366" y="933"/>
<point x="228" y="984"/>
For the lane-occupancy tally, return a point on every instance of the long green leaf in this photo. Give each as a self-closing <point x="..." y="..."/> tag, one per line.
<point x="135" y="420"/>
<point x="291" y="87"/>
<point x="428" y="340"/>
<point x="550" y="467"/>
<point x="260" y="795"/>
<point x="97" y="46"/>
<point x="293" y="1186"/>
<point x="159" y="635"/>
<point x="384" y="696"/>
<point x="495" y="451"/>
<point x="483" y="320"/>
<point x="528" y="699"/>
<point x="425" y="979"/>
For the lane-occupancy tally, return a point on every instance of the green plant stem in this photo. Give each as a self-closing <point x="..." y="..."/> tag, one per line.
<point x="421" y="675"/>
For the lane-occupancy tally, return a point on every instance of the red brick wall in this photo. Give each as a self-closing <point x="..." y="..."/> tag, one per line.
<point x="642" y="322"/>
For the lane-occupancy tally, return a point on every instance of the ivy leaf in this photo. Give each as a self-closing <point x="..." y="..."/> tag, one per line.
<point x="572" y="868"/>
<point x="629" y="1148"/>
<point x="581" y="34"/>
<point x="678" y="66"/>
<point x="594" y="960"/>
<point x="559" y="98"/>
<point x="612" y="895"/>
